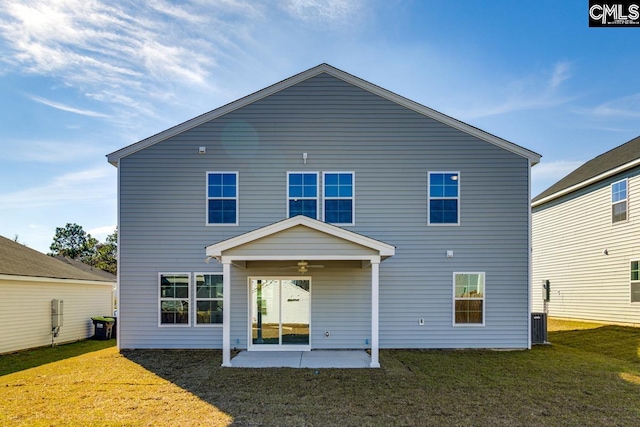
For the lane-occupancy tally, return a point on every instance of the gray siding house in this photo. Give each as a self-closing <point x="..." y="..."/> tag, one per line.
<point x="586" y="240"/>
<point x="323" y="212"/>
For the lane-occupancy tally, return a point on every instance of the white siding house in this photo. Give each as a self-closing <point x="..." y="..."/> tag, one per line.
<point x="334" y="214"/>
<point x="29" y="281"/>
<point x="586" y="240"/>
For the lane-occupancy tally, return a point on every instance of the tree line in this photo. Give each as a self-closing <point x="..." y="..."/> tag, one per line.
<point x="73" y="242"/>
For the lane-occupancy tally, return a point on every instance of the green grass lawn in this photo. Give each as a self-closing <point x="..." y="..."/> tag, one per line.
<point x="586" y="377"/>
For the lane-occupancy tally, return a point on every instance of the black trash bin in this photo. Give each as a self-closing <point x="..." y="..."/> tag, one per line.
<point x="102" y="327"/>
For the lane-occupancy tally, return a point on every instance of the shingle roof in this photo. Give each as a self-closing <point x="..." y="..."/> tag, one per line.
<point x="622" y="155"/>
<point x="19" y="260"/>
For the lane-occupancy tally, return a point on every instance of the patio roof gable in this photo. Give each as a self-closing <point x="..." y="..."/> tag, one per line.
<point x="328" y="233"/>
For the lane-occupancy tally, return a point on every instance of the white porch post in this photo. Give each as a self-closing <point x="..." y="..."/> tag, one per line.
<point x="226" y="313"/>
<point x="375" y="303"/>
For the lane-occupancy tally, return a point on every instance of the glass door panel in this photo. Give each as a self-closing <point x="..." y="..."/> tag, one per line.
<point x="280" y="312"/>
<point x="265" y="312"/>
<point x="295" y="312"/>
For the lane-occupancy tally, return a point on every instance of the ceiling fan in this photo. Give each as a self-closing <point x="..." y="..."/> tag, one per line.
<point x="303" y="266"/>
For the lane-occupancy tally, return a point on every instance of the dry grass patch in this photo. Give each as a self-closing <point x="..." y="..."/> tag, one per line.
<point x="100" y="388"/>
<point x="586" y="377"/>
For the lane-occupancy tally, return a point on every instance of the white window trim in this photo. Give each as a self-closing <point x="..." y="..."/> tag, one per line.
<point x="196" y="299"/>
<point x="632" y="282"/>
<point x="160" y="299"/>
<point x="207" y="198"/>
<point x="626" y="200"/>
<point x="318" y="191"/>
<point x="429" y="173"/>
<point x="484" y="301"/>
<point x="352" y="198"/>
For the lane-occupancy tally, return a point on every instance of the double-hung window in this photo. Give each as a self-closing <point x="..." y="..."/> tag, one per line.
<point x="619" y="201"/>
<point x="302" y="194"/>
<point x="338" y="197"/>
<point x="468" y="296"/>
<point x="444" y="198"/>
<point x="208" y="298"/>
<point x="174" y="298"/>
<point x="222" y="198"/>
<point x="635" y="281"/>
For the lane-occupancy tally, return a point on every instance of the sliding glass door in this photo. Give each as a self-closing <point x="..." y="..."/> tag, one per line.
<point x="280" y="312"/>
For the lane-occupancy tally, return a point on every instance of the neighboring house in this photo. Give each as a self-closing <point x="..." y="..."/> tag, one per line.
<point x="374" y="221"/>
<point x="30" y="281"/>
<point x="586" y="240"/>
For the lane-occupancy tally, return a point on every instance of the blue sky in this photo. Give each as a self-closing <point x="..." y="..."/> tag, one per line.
<point x="82" y="78"/>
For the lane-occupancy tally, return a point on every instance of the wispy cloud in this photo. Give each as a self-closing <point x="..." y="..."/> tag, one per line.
<point x="67" y="108"/>
<point x="526" y="93"/>
<point x="83" y="187"/>
<point x="323" y="11"/>
<point x="118" y="53"/>
<point x="54" y="152"/>
<point x="627" y="107"/>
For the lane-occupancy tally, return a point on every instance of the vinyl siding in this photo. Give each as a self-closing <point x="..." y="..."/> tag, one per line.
<point x="569" y="236"/>
<point x="25" y="318"/>
<point x="390" y="149"/>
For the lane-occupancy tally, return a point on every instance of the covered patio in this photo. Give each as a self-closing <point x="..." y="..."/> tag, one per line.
<point x="298" y="240"/>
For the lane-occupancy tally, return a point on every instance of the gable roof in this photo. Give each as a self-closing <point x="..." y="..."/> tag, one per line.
<point x="619" y="159"/>
<point x="216" y="250"/>
<point x="86" y="267"/>
<point x="19" y="260"/>
<point x="312" y="72"/>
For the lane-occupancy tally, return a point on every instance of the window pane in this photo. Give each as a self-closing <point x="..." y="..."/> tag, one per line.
<point x="215" y="179"/>
<point x="469" y="285"/>
<point x="619" y="191"/>
<point x="174" y="312"/>
<point x="338" y="211"/>
<point x="619" y="211"/>
<point x="444" y="211"/>
<point x="209" y="312"/>
<point x="331" y="191"/>
<point x="469" y="311"/>
<point x="295" y="179"/>
<point x="229" y="179"/>
<point x="214" y="191"/>
<point x="209" y="286"/>
<point x="635" y="292"/>
<point x="303" y="207"/>
<point x="295" y="191"/>
<point x="174" y="286"/>
<point x="331" y="179"/>
<point x="635" y="272"/>
<point x="222" y="211"/>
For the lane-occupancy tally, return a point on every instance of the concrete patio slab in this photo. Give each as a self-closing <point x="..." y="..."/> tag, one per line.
<point x="314" y="359"/>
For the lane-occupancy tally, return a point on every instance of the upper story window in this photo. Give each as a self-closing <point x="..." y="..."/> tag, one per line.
<point x="302" y="194"/>
<point x="468" y="290"/>
<point x="444" y="198"/>
<point x="635" y="281"/>
<point x="619" y="201"/>
<point x="338" y="197"/>
<point x="174" y="299"/>
<point x="222" y="198"/>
